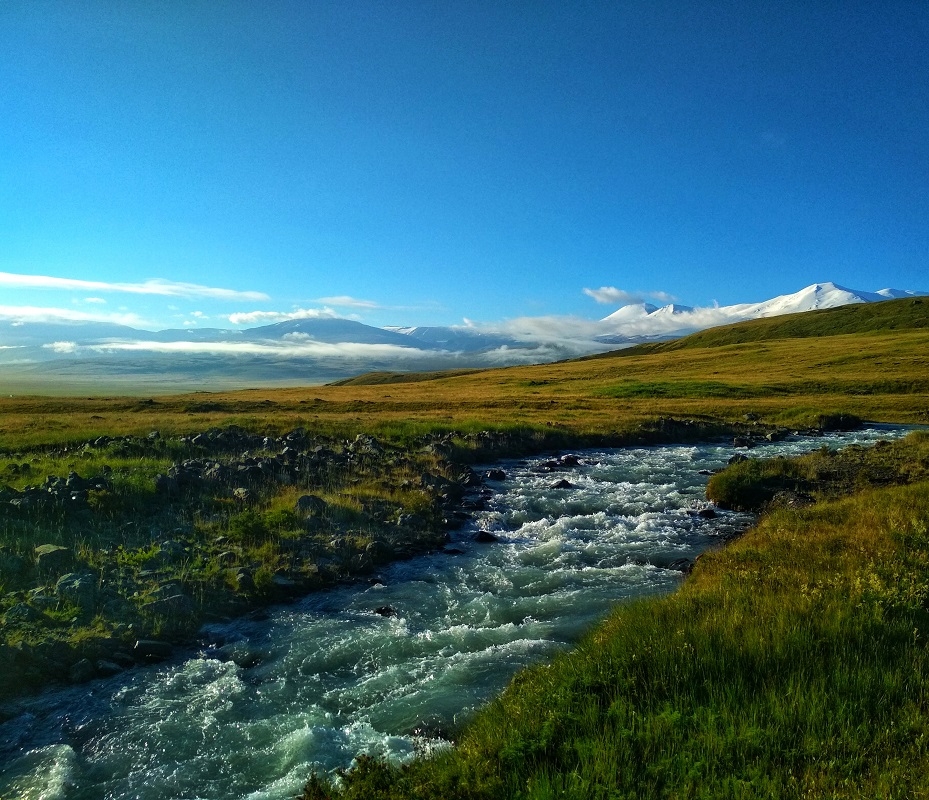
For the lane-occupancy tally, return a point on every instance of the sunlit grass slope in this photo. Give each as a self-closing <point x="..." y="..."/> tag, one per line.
<point x="793" y="663"/>
<point x="869" y="370"/>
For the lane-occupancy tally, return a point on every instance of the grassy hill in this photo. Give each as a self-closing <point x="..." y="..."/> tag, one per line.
<point x="865" y="318"/>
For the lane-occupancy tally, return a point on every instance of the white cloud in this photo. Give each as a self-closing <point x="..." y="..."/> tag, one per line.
<point x="155" y="287"/>
<point x="345" y="301"/>
<point x="97" y="301"/>
<point x="269" y="348"/>
<point x="19" y="315"/>
<point x="62" y="347"/>
<point x="610" y="295"/>
<point x="253" y="317"/>
<point x="550" y="329"/>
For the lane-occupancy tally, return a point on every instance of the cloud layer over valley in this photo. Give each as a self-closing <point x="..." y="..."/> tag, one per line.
<point x="316" y="344"/>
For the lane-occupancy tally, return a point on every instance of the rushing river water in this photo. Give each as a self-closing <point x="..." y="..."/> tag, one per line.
<point x="329" y="677"/>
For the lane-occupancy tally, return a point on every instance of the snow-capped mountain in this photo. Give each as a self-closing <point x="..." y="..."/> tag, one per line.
<point x="675" y="320"/>
<point x="326" y="348"/>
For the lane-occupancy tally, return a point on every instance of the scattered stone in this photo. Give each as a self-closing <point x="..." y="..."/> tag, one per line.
<point x="242" y="494"/>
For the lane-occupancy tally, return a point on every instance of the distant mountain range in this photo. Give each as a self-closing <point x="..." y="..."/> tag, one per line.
<point x="67" y="354"/>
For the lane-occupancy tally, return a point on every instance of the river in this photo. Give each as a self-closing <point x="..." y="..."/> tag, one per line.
<point x="392" y="665"/>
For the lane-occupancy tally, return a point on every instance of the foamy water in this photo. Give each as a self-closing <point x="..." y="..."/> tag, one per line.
<point x="334" y="679"/>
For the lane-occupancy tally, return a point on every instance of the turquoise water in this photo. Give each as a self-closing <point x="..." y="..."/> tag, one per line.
<point x="329" y="678"/>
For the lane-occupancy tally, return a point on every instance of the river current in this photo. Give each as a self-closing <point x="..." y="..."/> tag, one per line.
<point x="392" y="665"/>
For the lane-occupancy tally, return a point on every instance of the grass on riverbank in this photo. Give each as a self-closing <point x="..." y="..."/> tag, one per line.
<point x="793" y="663"/>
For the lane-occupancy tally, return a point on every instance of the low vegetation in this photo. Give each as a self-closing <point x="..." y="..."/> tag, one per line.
<point x="793" y="663"/>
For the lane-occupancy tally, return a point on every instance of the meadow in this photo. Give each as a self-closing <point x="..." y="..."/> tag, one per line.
<point x="791" y="664"/>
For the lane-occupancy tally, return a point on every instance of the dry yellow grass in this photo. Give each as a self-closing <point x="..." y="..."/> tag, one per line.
<point x="879" y="377"/>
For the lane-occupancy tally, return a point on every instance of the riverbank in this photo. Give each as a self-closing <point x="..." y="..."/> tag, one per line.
<point x="792" y="663"/>
<point x="118" y="548"/>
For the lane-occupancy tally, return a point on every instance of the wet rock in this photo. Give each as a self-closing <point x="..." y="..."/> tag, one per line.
<point x="106" y="668"/>
<point x="707" y="513"/>
<point x="681" y="565"/>
<point x="52" y="558"/>
<point x="563" y="484"/>
<point x="240" y="654"/>
<point x="485" y="537"/>
<point x="386" y="611"/>
<point x="738" y="458"/>
<point x="495" y="475"/>
<point x="569" y="460"/>
<point x="742" y="441"/>
<point x="152" y="650"/>
<point x="82" y="671"/>
<point x="469" y="478"/>
<point x="282" y="583"/>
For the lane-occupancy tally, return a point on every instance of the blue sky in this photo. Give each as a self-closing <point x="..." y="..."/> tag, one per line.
<point x="169" y="164"/>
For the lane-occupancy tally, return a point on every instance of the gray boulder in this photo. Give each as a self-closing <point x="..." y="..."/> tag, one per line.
<point x="53" y="558"/>
<point x="79" y="588"/>
<point x="311" y="505"/>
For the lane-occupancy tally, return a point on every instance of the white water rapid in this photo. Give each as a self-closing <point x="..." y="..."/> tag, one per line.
<point x="329" y="677"/>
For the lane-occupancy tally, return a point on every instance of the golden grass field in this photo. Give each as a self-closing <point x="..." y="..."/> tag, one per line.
<point x="882" y="376"/>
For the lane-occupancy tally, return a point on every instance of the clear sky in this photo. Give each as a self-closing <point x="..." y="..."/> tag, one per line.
<point x="426" y="162"/>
